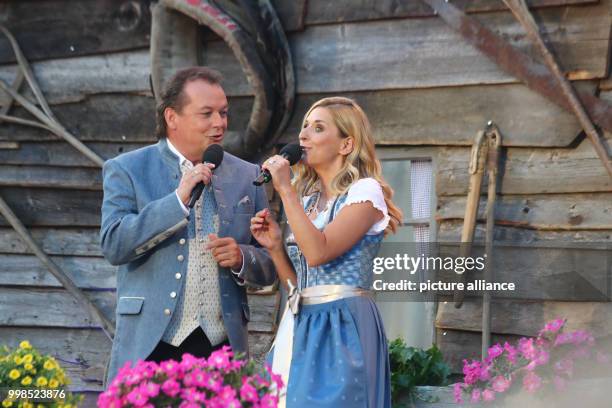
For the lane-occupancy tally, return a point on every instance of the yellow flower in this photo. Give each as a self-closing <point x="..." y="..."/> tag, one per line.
<point x="18" y="360"/>
<point x="53" y="383"/>
<point x="68" y="406"/>
<point x="7" y="403"/>
<point x="25" y="345"/>
<point x="27" y="380"/>
<point x="41" y="381"/>
<point x="27" y="358"/>
<point x="49" y="365"/>
<point x="28" y="366"/>
<point x="14" y="374"/>
<point x="27" y="405"/>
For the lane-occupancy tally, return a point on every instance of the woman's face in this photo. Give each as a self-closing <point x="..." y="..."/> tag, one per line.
<point x="320" y="139"/>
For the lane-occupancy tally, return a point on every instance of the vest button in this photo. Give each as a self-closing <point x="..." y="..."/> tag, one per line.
<point x="177" y="275"/>
<point x="172" y="295"/>
<point x="167" y="312"/>
<point x="182" y="241"/>
<point x="180" y="258"/>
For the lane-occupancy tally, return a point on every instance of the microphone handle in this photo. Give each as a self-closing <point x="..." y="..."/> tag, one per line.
<point x="264" y="177"/>
<point x="196" y="193"/>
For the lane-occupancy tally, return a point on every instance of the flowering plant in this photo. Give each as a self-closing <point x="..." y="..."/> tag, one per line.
<point x="549" y="360"/>
<point x="221" y="381"/>
<point x="25" y="374"/>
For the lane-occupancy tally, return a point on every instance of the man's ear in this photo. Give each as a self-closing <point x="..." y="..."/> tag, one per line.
<point x="170" y="117"/>
<point x="347" y="146"/>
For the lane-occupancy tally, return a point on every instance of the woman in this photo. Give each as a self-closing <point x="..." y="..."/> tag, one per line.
<point x="333" y="353"/>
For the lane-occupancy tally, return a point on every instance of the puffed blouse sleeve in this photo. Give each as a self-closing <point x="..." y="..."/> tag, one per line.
<point x="368" y="189"/>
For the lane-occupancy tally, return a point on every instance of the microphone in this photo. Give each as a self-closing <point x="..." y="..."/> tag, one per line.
<point x="213" y="155"/>
<point x="291" y="152"/>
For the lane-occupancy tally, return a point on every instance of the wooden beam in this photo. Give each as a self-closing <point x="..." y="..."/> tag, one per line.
<point x="526" y="318"/>
<point x="54" y="241"/>
<point x="528" y="171"/>
<point x="546" y="212"/>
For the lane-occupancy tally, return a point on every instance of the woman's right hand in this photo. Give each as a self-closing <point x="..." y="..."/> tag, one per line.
<point x="266" y="231"/>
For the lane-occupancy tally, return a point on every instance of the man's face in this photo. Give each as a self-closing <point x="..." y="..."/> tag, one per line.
<point x="201" y="122"/>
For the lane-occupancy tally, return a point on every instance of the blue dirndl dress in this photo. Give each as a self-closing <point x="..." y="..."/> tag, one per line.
<point x="339" y="354"/>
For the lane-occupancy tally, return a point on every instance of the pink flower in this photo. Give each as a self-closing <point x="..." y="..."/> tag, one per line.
<point x="137" y="397"/>
<point x="542" y="357"/>
<point x="471" y="371"/>
<point x="488" y="395"/>
<point x="527" y="348"/>
<point x="553" y="326"/>
<point x="248" y="392"/>
<point x="269" y="401"/>
<point x="563" y="338"/>
<point x="500" y="383"/>
<point x="227" y="393"/>
<point x="485" y="373"/>
<point x="150" y="389"/>
<point x="511" y="353"/>
<point x="531" y="382"/>
<point x="476" y="393"/>
<point x="494" y="352"/>
<point x="170" y="367"/>
<point x="582" y="336"/>
<point x="457" y="392"/>
<point x="220" y="358"/>
<point x="171" y="387"/>
<point x="213" y="383"/>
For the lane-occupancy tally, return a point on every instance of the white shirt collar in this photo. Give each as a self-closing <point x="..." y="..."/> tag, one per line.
<point x="182" y="159"/>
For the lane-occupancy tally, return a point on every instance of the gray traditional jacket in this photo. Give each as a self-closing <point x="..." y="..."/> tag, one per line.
<point x="144" y="230"/>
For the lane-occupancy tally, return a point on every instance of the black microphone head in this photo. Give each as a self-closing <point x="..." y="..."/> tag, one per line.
<point x="213" y="154"/>
<point x="292" y="152"/>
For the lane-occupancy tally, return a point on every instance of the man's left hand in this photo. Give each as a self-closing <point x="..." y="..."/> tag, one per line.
<point x="226" y="251"/>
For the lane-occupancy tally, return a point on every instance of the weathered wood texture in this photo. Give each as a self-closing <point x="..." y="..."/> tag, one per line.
<point x="439" y="116"/>
<point x="542" y="211"/>
<point x="528" y="171"/>
<point x="526" y="318"/>
<point x="424" y="53"/>
<point x="49" y="207"/>
<point x="52" y="307"/>
<point x="325" y="12"/>
<point x="61" y="28"/>
<point x="420" y="53"/>
<point x="84" y="242"/>
<point x="86" y="272"/>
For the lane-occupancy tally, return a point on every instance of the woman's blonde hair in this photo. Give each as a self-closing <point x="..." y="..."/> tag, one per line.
<point x="352" y="122"/>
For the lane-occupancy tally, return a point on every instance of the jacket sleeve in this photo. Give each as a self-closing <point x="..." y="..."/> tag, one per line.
<point x="258" y="269"/>
<point x="128" y="232"/>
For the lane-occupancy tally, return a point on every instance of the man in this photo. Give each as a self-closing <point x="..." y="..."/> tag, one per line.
<point x="180" y="284"/>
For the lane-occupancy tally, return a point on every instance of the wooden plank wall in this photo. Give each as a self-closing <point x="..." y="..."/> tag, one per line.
<point x="422" y="86"/>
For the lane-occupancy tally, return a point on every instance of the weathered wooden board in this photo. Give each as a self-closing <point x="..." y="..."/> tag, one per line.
<point x="51" y="177"/>
<point x="86" y="272"/>
<point x="450" y="231"/>
<point x="410" y="53"/>
<point x="528" y="171"/>
<point x="50" y="308"/>
<point x="453" y="116"/>
<point x="527" y="318"/>
<point x="81" y="352"/>
<point x="54" y="241"/>
<point x="50" y="207"/>
<point x="61" y="154"/>
<point x="124" y="118"/>
<point x="425" y="53"/>
<point x="325" y="12"/>
<point x="61" y="28"/>
<point x="551" y="211"/>
<point x="458" y="345"/>
<point x="56" y="308"/>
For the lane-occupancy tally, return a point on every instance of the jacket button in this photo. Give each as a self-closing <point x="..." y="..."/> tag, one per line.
<point x="172" y="295"/>
<point x="180" y="258"/>
<point x="167" y="312"/>
<point x="177" y="275"/>
<point x="182" y="241"/>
